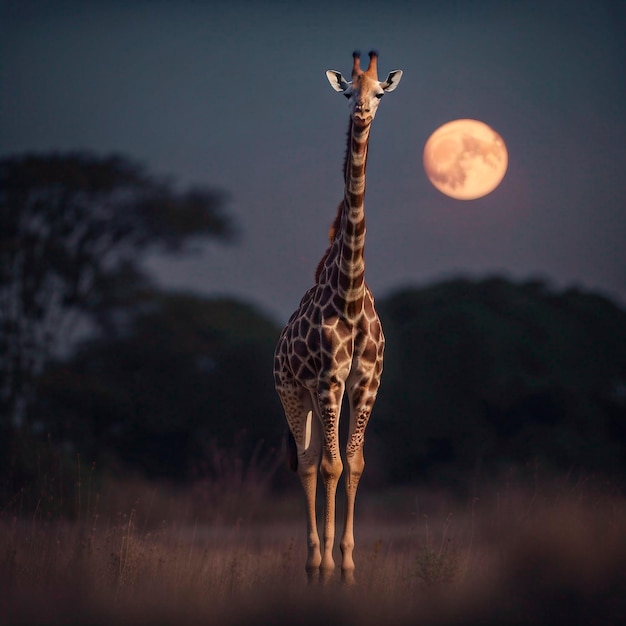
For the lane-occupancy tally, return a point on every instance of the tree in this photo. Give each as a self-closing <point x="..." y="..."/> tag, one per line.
<point x="179" y="379"/>
<point x="488" y="375"/>
<point x="73" y="230"/>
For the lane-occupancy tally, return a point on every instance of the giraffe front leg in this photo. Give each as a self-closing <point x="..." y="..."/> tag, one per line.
<point x="359" y="416"/>
<point x="330" y="469"/>
<point x="356" y="463"/>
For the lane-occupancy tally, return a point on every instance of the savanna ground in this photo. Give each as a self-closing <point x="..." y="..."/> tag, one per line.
<point x="136" y="553"/>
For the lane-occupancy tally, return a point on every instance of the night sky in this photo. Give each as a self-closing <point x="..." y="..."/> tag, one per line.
<point x="233" y="95"/>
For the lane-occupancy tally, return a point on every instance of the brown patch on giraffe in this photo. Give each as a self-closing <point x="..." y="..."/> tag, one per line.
<point x="375" y="383"/>
<point x="329" y="339"/>
<point x="355" y="199"/>
<point x="368" y="306"/>
<point x="302" y="327"/>
<point x="305" y="372"/>
<point x="378" y="368"/>
<point x="313" y="341"/>
<point x="369" y="352"/>
<point x="356" y="171"/>
<point x="300" y="348"/>
<point x="351" y="257"/>
<point x="343" y="354"/>
<point x="355" y="229"/>
<point x="329" y="311"/>
<point x="344" y="282"/>
<point x="375" y="331"/>
<point x="353" y="308"/>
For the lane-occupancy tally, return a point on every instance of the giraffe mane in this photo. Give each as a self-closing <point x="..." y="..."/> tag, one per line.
<point x="332" y="234"/>
<point x="335" y="226"/>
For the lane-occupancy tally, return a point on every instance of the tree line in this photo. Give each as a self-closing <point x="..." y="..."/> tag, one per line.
<point x="482" y="378"/>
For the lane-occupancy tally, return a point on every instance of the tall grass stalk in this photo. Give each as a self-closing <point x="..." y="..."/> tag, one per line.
<point x="140" y="554"/>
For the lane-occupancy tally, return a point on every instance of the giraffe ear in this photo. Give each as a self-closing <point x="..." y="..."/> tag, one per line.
<point x="392" y="81"/>
<point x="337" y="81"/>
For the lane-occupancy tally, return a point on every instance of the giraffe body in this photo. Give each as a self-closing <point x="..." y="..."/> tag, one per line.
<point x="333" y="344"/>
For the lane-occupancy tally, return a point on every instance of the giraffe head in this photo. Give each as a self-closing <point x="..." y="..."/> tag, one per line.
<point x="365" y="90"/>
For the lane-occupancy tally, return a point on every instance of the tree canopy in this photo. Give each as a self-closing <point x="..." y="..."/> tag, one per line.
<point x="483" y="379"/>
<point x="73" y="229"/>
<point x="179" y="378"/>
<point x="482" y="376"/>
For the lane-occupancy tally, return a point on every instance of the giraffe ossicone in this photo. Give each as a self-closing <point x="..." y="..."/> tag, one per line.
<point x="333" y="343"/>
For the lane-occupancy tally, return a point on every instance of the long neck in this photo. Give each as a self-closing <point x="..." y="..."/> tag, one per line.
<point x="349" y="241"/>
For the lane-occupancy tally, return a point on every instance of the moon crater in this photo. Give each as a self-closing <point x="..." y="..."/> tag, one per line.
<point x="465" y="159"/>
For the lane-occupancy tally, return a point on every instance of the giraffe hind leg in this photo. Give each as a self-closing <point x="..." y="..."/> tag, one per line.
<point x="305" y="433"/>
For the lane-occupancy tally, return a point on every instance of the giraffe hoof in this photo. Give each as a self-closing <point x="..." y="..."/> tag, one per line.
<point x="326" y="575"/>
<point x="347" y="577"/>
<point x="313" y="576"/>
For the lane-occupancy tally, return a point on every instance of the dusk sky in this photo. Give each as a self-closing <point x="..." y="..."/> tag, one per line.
<point x="233" y="95"/>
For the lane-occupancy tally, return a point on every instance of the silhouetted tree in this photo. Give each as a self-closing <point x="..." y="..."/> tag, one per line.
<point x="73" y="230"/>
<point x="176" y="379"/>
<point x="482" y="376"/>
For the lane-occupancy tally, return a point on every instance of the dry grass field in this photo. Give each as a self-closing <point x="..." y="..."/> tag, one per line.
<point x="141" y="554"/>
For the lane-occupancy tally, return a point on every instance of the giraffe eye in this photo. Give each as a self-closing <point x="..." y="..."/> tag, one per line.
<point x="379" y="95"/>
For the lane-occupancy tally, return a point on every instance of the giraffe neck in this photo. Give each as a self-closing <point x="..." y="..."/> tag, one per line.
<point x="347" y="275"/>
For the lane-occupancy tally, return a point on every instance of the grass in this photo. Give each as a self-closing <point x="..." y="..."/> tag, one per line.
<point x="145" y="554"/>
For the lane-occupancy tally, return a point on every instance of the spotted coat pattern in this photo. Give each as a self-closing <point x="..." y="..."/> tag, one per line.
<point x="333" y="344"/>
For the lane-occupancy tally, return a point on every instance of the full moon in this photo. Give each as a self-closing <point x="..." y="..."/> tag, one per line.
<point x="465" y="159"/>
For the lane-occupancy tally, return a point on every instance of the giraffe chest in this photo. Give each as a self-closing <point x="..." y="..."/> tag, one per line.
<point x="318" y="343"/>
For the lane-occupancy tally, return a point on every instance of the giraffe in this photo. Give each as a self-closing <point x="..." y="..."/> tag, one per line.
<point x="333" y="343"/>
